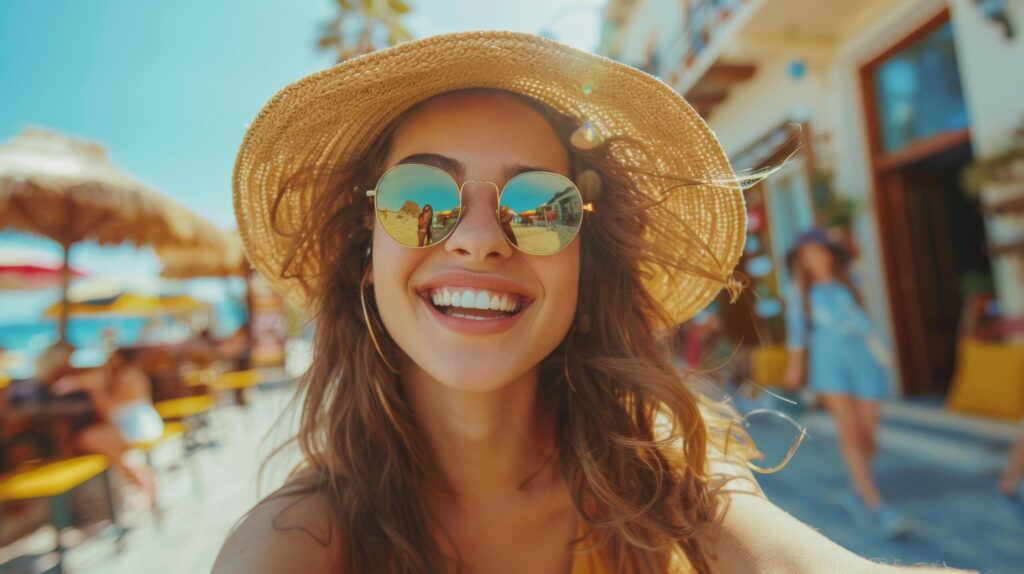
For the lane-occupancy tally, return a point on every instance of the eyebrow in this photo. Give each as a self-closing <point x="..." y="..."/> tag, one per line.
<point x="457" y="168"/>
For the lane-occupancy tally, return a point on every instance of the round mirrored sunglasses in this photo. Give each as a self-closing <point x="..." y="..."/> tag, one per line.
<point x="539" y="212"/>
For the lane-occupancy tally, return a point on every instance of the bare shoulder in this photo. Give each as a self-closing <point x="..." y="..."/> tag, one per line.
<point x="291" y="530"/>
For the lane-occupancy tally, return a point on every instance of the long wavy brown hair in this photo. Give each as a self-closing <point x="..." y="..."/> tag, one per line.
<point x="632" y="436"/>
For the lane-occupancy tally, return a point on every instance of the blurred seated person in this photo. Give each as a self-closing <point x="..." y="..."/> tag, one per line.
<point x="201" y="351"/>
<point x="121" y="395"/>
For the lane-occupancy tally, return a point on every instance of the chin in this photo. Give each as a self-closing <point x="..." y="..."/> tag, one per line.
<point x="476" y="373"/>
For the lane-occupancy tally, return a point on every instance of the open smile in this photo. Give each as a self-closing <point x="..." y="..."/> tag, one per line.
<point x="473" y="310"/>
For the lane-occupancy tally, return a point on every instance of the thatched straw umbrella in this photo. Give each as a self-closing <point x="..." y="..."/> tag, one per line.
<point x="185" y="262"/>
<point x="67" y="189"/>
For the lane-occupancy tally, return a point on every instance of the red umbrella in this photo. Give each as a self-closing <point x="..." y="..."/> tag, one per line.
<point x="26" y="277"/>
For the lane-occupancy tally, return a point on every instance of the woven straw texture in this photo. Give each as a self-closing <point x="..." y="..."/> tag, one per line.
<point x="335" y="114"/>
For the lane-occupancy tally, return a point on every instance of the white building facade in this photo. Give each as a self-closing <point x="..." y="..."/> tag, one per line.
<point x="893" y="99"/>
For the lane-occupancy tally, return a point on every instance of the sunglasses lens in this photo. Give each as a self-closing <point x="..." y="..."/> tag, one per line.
<point x="540" y="212"/>
<point x="417" y="205"/>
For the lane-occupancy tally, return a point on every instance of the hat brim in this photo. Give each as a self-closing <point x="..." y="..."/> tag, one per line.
<point x="335" y="114"/>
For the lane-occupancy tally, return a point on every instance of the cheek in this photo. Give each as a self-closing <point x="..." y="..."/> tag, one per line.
<point x="560" y="276"/>
<point x="392" y="266"/>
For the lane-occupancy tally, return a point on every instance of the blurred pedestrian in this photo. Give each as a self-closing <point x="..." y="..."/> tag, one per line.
<point x="833" y="345"/>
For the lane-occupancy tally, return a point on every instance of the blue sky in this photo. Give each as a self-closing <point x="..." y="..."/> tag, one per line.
<point x="169" y="87"/>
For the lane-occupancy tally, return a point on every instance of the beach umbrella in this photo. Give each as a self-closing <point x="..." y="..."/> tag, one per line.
<point x="190" y="262"/>
<point x="67" y="189"/>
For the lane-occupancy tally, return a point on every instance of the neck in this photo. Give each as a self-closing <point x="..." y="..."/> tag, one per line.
<point x="822" y="277"/>
<point x="486" y="444"/>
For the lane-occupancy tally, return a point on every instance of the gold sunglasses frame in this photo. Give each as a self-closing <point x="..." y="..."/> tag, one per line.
<point x="585" y="207"/>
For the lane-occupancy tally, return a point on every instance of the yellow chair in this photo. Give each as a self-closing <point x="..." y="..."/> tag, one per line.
<point x="56" y="481"/>
<point x="768" y="365"/>
<point x="237" y="380"/>
<point x="185" y="407"/>
<point x="194" y="412"/>
<point x="172" y="431"/>
<point x="989" y="379"/>
<point x="239" y="383"/>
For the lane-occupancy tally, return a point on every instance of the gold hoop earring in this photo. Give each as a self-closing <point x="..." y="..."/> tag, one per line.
<point x="369" y="326"/>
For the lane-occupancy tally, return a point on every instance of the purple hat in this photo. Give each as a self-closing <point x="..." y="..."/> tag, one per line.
<point x="819" y="236"/>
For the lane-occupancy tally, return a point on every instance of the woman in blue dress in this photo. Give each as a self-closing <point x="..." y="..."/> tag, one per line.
<point x="830" y="337"/>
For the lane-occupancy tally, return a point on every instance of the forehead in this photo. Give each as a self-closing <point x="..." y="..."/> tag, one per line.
<point x="482" y="129"/>
<point x="815" y="247"/>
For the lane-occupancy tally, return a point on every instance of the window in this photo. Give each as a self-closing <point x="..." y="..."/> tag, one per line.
<point x="918" y="91"/>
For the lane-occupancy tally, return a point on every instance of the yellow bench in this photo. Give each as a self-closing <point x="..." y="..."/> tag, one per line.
<point x="56" y="481"/>
<point x="183" y="408"/>
<point x="237" y="380"/>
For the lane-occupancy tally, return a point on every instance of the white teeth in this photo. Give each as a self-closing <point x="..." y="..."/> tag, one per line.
<point x="483" y="301"/>
<point x="473" y="317"/>
<point x="468" y="299"/>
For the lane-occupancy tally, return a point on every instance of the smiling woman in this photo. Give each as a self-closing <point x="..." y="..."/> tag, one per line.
<point x="481" y="402"/>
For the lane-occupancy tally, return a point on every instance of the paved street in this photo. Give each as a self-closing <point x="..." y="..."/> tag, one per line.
<point x="944" y="481"/>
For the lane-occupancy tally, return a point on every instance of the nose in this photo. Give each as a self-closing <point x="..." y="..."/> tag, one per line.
<point x="478" y="236"/>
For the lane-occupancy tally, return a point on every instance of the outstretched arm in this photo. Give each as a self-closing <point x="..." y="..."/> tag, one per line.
<point x="756" y="536"/>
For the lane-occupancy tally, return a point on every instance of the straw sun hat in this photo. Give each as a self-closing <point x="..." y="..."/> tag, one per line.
<point x="335" y="114"/>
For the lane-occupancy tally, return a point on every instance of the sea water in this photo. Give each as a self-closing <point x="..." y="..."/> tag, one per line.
<point x="23" y="341"/>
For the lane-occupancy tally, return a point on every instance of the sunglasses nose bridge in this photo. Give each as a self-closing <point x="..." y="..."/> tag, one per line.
<point x="491" y="184"/>
<point x="478" y="232"/>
